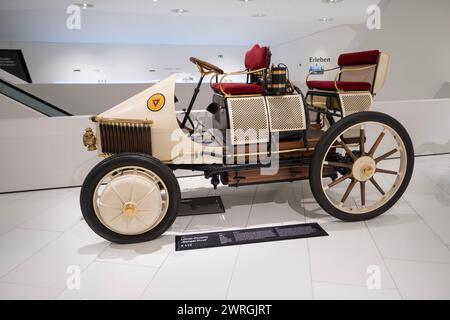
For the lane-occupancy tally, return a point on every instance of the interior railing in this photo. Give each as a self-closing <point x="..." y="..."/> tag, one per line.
<point x="31" y="101"/>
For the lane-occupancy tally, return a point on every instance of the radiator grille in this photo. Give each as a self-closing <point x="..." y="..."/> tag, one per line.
<point x="286" y="113"/>
<point x="355" y="102"/>
<point x="118" y="137"/>
<point x="248" y="120"/>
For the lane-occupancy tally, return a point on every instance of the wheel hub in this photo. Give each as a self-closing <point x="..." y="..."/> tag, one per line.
<point x="364" y="168"/>
<point x="130" y="209"/>
<point x="131" y="203"/>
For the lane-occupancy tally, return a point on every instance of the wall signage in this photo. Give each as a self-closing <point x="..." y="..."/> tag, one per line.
<point x="319" y="60"/>
<point x="318" y="67"/>
<point x="13" y="62"/>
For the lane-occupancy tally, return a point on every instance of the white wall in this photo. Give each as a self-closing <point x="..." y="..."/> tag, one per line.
<point x="43" y="153"/>
<point x="55" y="62"/>
<point x="425" y="120"/>
<point x="444" y="91"/>
<point x="88" y="99"/>
<point x="49" y="62"/>
<point x="124" y="67"/>
<point x="415" y="33"/>
<point x="326" y="44"/>
<point x="10" y="109"/>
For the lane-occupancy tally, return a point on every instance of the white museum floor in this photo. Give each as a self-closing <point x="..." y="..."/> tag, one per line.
<point x="42" y="233"/>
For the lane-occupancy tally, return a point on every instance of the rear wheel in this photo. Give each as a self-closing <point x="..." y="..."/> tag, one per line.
<point x="130" y="198"/>
<point x="373" y="157"/>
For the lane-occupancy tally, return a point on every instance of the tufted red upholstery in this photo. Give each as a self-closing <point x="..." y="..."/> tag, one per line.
<point x="359" y="58"/>
<point x="342" y="85"/>
<point x="238" y="88"/>
<point x="257" y="58"/>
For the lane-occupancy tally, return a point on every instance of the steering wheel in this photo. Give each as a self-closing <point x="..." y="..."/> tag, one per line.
<point x="206" y="66"/>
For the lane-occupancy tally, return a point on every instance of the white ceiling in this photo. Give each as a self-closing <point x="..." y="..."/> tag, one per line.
<point x="208" y="22"/>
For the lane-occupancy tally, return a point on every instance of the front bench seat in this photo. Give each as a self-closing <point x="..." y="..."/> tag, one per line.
<point x="256" y="58"/>
<point x="236" y="89"/>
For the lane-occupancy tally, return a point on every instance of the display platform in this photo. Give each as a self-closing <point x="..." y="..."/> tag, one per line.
<point x="201" y="205"/>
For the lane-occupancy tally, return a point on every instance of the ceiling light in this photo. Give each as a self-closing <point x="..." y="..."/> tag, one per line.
<point x="258" y="15"/>
<point x="179" y="11"/>
<point x="84" y="6"/>
<point x="325" y="19"/>
<point x="245" y="1"/>
<point x="331" y="1"/>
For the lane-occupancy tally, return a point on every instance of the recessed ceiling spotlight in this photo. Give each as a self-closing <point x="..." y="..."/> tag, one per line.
<point x="325" y="19"/>
<point x="84" y="6"/>
<point x="179" y="11"/>
<point x="331" y="1"/>
<point x="259" y="15"/>
<point x="245" y="1"/>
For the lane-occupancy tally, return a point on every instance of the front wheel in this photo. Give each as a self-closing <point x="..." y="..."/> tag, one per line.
<point x="371" y="157"/>
<point x="130" y="198"/>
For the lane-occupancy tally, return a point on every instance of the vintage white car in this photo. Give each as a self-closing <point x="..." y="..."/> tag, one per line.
<point x="358" y="162"/>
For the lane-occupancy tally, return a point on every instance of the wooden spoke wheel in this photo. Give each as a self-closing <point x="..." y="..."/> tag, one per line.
<point x="373" y="157"/>
<point x="130" y="198"/>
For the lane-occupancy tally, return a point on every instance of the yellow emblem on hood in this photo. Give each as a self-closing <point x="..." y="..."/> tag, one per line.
<point x="156" y="102"/>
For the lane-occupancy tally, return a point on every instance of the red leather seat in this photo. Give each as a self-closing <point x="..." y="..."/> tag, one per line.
<point x="353" y="59"/>
<point x="236" y="89"/>
<point x="342" y="85"/>
<point x="256" y="58"/>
